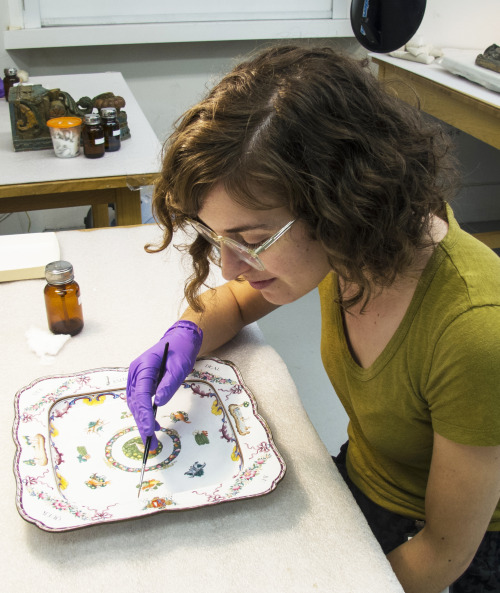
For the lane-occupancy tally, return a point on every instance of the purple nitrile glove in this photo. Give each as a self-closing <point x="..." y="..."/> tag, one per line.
<point x="184" y="338"/>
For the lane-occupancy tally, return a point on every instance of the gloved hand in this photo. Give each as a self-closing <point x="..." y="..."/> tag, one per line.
<point x="184" y="338"/>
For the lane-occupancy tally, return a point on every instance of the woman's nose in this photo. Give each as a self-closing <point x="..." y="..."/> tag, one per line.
<point x="231" y="265"/>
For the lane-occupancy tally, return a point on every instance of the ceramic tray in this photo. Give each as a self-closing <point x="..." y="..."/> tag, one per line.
<point x="79" y="452"/>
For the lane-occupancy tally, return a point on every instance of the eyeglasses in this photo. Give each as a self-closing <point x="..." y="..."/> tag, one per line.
<point x="248" y="255"/>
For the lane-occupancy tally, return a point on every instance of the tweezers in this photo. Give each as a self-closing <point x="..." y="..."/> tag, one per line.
<point x="147" y="446"/>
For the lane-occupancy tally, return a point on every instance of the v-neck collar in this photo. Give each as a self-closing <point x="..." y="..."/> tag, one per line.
<point x="432" y="266"/>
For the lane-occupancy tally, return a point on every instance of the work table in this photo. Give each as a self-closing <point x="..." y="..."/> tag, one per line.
<point x="306" y="535"/>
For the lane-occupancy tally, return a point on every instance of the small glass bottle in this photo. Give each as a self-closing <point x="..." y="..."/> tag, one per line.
<point x="62" y="299"/>
<point x="93" y="136"/>
<point x="10" y="80"/>
<point x="112" y="139"/>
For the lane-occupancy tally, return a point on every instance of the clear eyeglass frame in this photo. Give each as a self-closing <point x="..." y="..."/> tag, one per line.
<point x="249" y="256"/>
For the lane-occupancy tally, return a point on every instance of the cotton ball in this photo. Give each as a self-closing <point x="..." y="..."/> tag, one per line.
<point x="23" y="76"/>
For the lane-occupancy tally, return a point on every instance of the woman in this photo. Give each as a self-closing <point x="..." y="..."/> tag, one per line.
<point x="304" y="173"/>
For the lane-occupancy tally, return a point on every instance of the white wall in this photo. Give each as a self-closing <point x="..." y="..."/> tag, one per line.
<point x="168" y="78"/>
<point x="462" y="23"/>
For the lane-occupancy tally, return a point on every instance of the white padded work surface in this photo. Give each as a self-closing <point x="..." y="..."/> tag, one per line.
<point x="307" y="535"/>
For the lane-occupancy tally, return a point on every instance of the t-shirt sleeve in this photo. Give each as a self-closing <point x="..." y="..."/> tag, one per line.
<point x="463" y="387"/>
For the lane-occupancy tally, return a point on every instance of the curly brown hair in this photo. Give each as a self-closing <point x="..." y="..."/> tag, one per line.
<point x="317" y="131"/>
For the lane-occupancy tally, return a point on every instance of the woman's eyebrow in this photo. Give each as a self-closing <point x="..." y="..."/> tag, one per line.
<point x="241" y="228"/>
<point x="250" y="227"/>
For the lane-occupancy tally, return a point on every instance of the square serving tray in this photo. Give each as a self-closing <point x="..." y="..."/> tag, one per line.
<point x="79" y="453"/>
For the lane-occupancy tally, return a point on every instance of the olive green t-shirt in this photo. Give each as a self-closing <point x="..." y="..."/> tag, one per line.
<point x="439" y="372"/>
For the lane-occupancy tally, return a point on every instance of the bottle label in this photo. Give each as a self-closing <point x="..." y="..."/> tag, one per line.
<point x="99" y="141"/>
<point x="116" y="132"/>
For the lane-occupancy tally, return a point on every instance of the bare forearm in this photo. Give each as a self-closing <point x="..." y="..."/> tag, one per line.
<point x="424" y="566"/>
<point x="220" y="321"/>
<point x="462" y="493"/>
<point x="228" y="308"/>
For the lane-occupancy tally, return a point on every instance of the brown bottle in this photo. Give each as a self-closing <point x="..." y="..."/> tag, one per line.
<point x="93" y="136"/>
<point x="10" y="80"/>
<point x="112" y="138"/>
<point x="62" y="299"/>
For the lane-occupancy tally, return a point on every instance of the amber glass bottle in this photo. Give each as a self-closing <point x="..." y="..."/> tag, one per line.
<point x="93" y="136"/>
<point x="112" y="139"/>
<point x="62" y="299"/>
<point x="11" y="79"/>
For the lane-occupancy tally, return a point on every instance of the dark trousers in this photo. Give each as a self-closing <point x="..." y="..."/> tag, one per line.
<point x="391" y="530"/>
